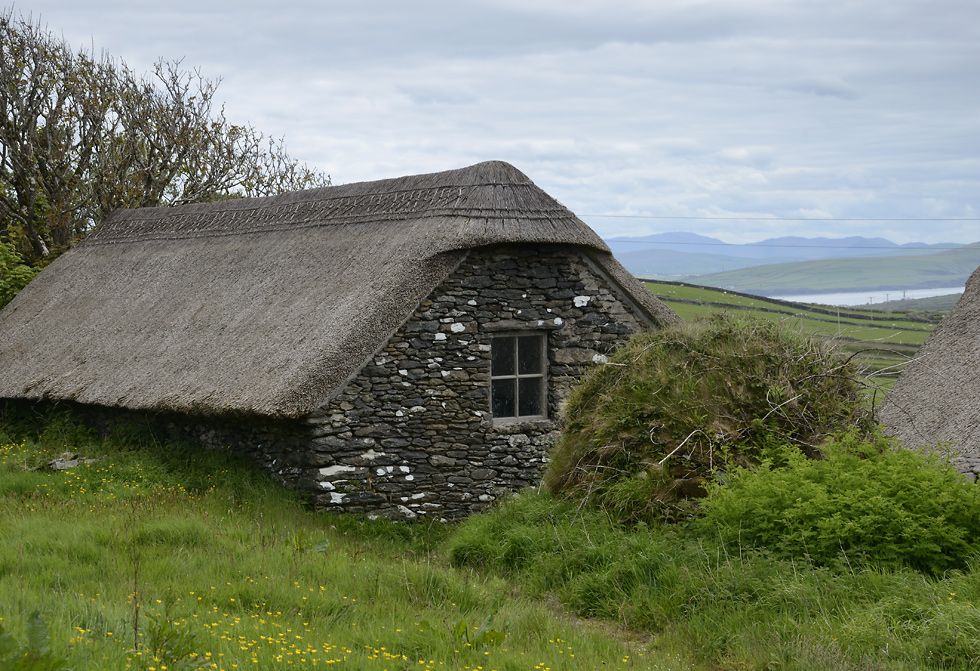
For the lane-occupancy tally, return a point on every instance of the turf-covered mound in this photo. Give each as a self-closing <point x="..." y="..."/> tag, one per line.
<point x="676" y="407"/>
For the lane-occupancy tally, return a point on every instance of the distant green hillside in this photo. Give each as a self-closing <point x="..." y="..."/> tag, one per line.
<point x="923" y="271"/>
<point x="673" y="264"/>
<point x="881" y="341"/>
<point x="923" y="306"/>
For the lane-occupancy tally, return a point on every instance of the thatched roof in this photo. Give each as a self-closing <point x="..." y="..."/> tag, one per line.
<point x="936" y="399"/>
<point x="265" y="305"/>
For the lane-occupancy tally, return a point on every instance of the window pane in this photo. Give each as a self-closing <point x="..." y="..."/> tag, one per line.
<point x="529" y="355"/>
<point x="530" y="393"/>
<point x="502" y="397"/>
<point x="502" y="356"/>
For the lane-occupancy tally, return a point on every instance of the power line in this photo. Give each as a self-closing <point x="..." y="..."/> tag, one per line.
<point x="758" y="244"/>
<point x="645" y="216"/>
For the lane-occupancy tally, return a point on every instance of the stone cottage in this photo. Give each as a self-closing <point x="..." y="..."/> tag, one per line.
<point x="399" y="346"/>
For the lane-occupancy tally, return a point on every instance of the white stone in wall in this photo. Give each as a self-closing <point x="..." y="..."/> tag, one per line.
<point x="484" y="348"/>
<point x="581" y="301"/>
<point x="371" y="455"/>
<point x="406" y="512"/>
<point x="329" y="471"/>
<point x="327" y="485"/>
<point x="457" y="327"/>
<point x="600" y="358"/>
<point x="440" y="336"/>
<point x="404" y="469"/>
<point x="337" y="497"/>
<point x="558" y="321"/>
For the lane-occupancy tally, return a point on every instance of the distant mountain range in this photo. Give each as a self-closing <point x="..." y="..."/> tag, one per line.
<point x="797" y="264"/>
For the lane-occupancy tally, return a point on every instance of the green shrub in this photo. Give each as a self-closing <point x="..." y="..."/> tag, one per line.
<point x="866" y="501"/>
<point x="645" y="432"/>
<point x="14" y="273"/>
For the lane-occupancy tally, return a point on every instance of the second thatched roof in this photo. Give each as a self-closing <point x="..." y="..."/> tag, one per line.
<point x="936" y="399"/>
<point x="265" y="306"/>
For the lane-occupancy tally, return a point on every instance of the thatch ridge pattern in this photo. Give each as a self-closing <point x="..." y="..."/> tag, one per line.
<point x="491" y="192"/>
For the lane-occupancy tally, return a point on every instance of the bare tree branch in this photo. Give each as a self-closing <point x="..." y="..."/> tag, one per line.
<point x="81" y="135"/>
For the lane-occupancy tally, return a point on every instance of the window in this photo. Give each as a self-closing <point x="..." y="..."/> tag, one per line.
<point x="518" y="387"/>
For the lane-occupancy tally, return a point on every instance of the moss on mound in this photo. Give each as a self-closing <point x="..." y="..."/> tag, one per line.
<point x="644" y="432"/>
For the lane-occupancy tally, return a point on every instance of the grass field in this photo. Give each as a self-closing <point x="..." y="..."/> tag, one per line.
<point x="880" y="341"/>
<point x="161" y="557"/>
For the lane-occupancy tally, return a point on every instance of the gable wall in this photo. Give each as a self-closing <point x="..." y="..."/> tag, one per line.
<point x="412" y="435"/>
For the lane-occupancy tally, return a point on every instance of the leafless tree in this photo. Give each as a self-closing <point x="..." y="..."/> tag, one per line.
<point x="82" y="134"/>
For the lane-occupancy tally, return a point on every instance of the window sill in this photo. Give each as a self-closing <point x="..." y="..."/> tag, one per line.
<point x="522" y="424"/>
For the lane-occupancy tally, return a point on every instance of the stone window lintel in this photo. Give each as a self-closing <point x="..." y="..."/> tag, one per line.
<point x="516" y="326"/>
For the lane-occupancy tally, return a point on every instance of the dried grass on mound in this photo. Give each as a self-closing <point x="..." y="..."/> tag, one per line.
<point x="676" y="407"/>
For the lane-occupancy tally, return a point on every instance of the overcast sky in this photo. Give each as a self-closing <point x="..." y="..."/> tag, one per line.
<point x="644" y="109"/>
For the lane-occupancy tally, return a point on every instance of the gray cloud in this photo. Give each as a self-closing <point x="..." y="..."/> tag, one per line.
<point x="764" y="107"/>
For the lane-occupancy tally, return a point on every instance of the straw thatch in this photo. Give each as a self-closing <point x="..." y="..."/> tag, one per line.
<point x="265" y="305"/>
<point x="935" y="399"/>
